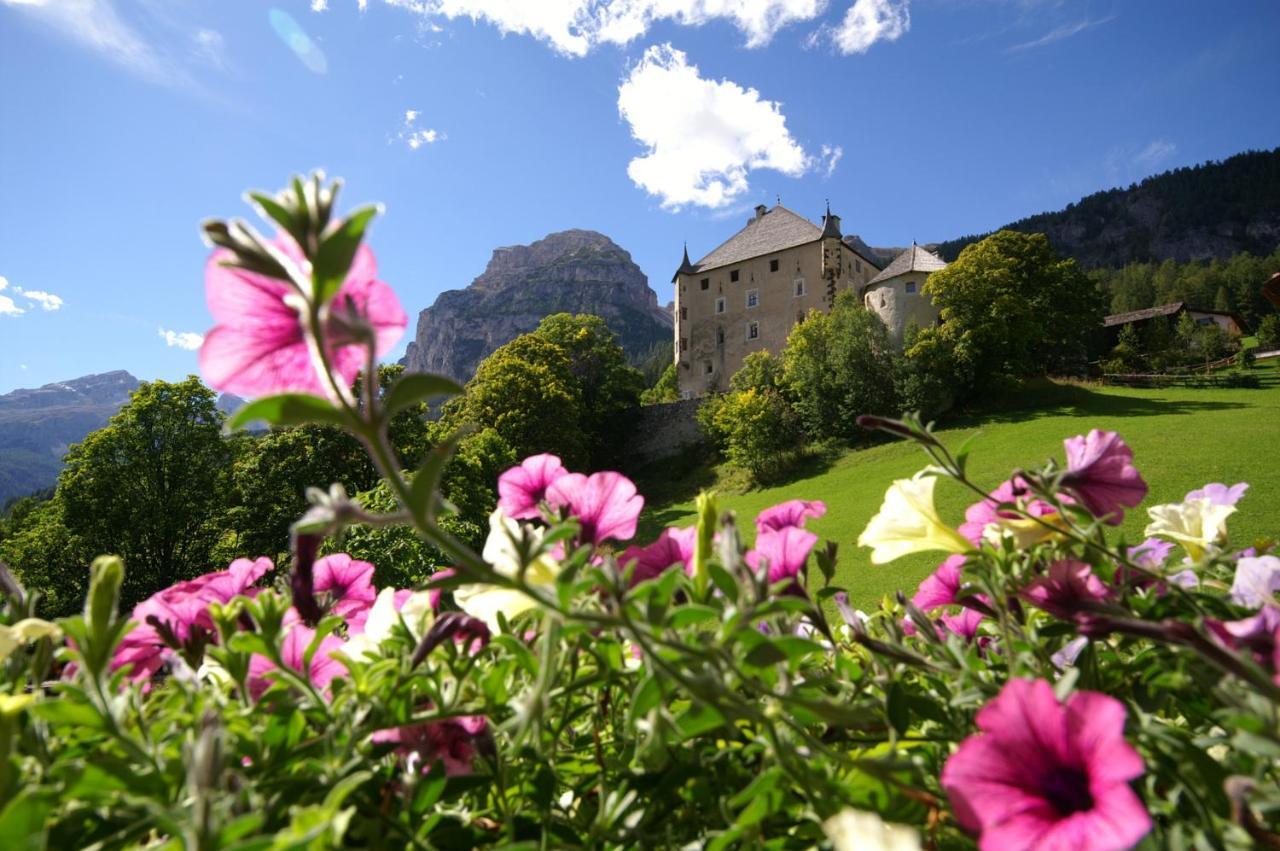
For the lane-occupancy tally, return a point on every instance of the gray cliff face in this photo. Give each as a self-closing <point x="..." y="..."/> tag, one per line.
<point x="574" y="271"/>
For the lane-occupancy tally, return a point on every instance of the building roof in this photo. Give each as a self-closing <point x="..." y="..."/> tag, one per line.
<point x="914" y="259"/>
<point x="772" y="231"/>
<point x="1142" y="315"/>
<point x="831" y="225"/>
<point x="686" y="267"/>
<point x="1271" y="289"/>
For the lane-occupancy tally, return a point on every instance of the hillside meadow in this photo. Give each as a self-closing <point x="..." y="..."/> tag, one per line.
<point x="1182" y="438"/>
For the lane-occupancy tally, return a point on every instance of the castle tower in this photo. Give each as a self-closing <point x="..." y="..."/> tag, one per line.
<point x="832" y="255"/>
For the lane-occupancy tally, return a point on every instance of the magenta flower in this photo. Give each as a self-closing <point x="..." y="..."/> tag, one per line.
<point x="434" y="591"/>
<point x="784" y="552"/>
<point x="522" y="488"/>
<point x="1259" y="636"/>
<point x="1151" y="553"/>
<point x="258" y="347"/>
<point x="1219" y="494"/>
<point x="605" y="505"/>
<point x="673" y="547"/>
<point x="1100" y="473"/>
<point x="1047" y="775"/>
<point x="344" y="584"/>
<point x="940" y="587"/>
<point x="964" y="624"/>
<point x="790" y="513"/>
<point x="1069" y="588"/>
<point x="177" y="619"/>
<point x="985" y="512"/>
<point x="451" y="742"/>
<point x="324" y="668"/>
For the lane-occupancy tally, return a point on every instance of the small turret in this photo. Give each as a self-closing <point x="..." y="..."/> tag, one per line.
<point x="686" y="268"/>
<point x="830" y="225"/>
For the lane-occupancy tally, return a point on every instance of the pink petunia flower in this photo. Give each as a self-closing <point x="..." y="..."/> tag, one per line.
<point x="1043" y="774"/>
<point x="434" y="591"/>
<point x="1151" y="553"/>
<point x="985" y="512"/>
<point x="784" y="552"/>
<point x="451" y="742"/>
<point x="793" y="512"/>
<point x="344" y="584"/>
<point x="1259" y="636"/>
<point x="673" y="547"/>
<point x="1257" y="581"/>
<point x="605" y="505"/>
<point x="1100" y="473"/>
<point x="964" y="624"/>
<point x="324" y="668"/>
<point x="258" y="348"/>
<point x="1069" y="588"/>
<point x="177" y="618"/>
<point x="1219" y="494"/>
<point x="522" y="488"/>
<point x="940" y="587"/>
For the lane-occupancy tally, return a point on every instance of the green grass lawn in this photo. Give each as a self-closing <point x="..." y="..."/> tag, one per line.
<point x="1182" y="438"/>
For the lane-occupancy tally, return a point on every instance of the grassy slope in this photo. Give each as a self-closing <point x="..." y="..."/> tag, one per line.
<point x="1182" y="438"/>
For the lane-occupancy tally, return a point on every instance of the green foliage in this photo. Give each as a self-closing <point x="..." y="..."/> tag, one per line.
<point x="754" y="428"/>
<point x="760" y="371"/>
<point x="565" y="388"/>
<point x="1233" y="285"/>
<point x="664" y="391"/>
<point x="1010" y="309"/>
<point x="837" y="366"/>
<point x="151" y="485"/>
<point x="46" y="556"/>
<point x="1269" y="333"/>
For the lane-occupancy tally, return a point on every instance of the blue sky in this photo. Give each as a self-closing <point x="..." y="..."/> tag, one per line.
<point x="125" y="122"/>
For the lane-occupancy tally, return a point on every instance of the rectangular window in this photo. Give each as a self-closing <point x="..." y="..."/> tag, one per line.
<point x="857" y="264"/>
<point x="799" y="282"/>
<point x="753" y="330"/>
<point x="719" y="336"/>
<point x="733" y="276"/>
<point x="707" y="367"/>
<point x="911" y="287"/>
<point x="684" y="313"/>
<point x="753" y="298"/>
<point x="720" y="305"/>
<point x="773" y="265"/>
<point x="684" y="344"/>
<point x="705" y="284"/>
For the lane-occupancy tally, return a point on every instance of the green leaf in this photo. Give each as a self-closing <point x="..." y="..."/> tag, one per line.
<point x="288" y="409"/>
<point x="647" y="696"/>
<point x="723" y="580"/>
<point x="338" y="248"/>
<point x="22" y="823"/>
<point x="764" y="654"/>
<point x="424" y="491"/>
<point x="414" y="387"/>
<point x="698" y="719"/>
<point x="692" y="613"/>
<point x="281" y="215"/>
<point x="65" y="711"/>
<point x="962" y="454"/>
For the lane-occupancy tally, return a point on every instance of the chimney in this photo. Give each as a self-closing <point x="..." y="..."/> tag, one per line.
<point x="761" y="209"/>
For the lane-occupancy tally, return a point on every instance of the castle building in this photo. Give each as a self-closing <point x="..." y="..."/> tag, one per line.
<point x="746" y="295"/>
<point x="897" y="296"/>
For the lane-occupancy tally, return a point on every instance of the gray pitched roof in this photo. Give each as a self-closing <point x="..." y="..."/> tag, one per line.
<point x="1141" y="315"/>
<point x="777" y="229"/>
<point x="914" y="259"/>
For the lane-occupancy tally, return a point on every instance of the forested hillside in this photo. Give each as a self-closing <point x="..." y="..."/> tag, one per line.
<point x="1214" y="210"/>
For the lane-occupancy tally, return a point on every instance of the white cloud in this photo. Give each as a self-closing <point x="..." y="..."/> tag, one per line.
<point x="1059" y="33"/>
<point x="414" y="136"/>
<point x="701" y="137"/>
<point x="7" y="305"/>
<point x="1155" y="153"/>
<point x="47" y="301"/>
<point x="869" y="21"/>
<point x="574" y="27"/>
<point x="319" y="5"/>
<point x="188" y="340"/>
<point x="210" y="47"/>
<point x="828" y="159"/>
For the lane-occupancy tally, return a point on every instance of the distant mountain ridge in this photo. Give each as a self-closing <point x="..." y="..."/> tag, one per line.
<point x="38" y="425"/>
<point x="572" y="271"/>
<point x="1213" y="210"/>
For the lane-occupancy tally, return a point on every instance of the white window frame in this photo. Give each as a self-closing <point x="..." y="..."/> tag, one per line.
<point x="753" y="331"/>
<point x="910" y="287"/>
<point x="753" y="299"/>
<point x="720" y="304"/>
<point x="798" y="288"/>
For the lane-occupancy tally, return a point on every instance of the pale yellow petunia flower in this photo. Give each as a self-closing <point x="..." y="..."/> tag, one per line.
<point x="856" y="830"/>
<point x="908" y="523"/>
<point x="501" y="552"/>
<point x="1197" y="524"/>
<point x="13" y="636"/>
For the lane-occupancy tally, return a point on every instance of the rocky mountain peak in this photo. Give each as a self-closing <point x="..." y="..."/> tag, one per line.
<point x="571" y="271"/>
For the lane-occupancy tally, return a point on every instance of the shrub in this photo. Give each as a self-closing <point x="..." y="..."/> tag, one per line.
<point x="1269" y="333"/>
<point x="756" y="431"/>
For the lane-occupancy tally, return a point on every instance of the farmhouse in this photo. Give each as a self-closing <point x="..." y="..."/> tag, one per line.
<point x="747" y="294"/>
<point x="1228" y="322"/>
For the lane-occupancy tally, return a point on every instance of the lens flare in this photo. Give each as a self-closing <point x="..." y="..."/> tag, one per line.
<point x="294" y="38"/>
